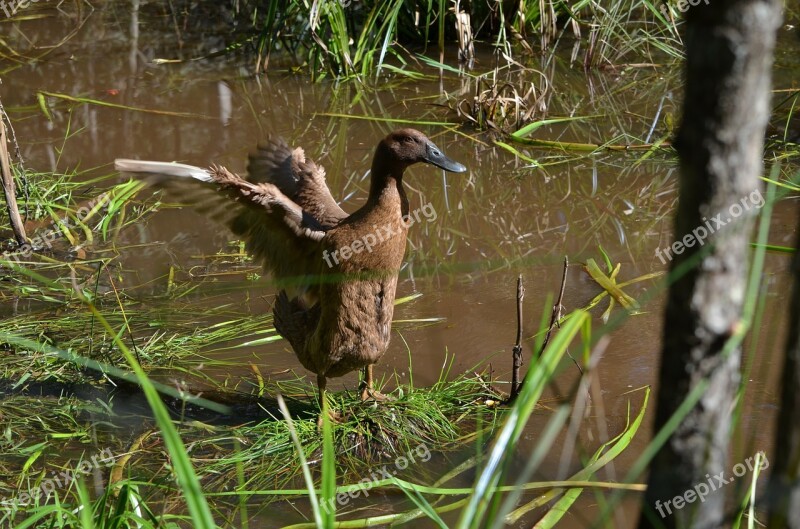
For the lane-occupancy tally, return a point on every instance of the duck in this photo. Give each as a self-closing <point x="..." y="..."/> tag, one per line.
<point x="336" y="272"/>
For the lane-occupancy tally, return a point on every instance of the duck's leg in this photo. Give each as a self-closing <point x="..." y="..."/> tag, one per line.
<point x="322" y="382"/>
<point x="367" y="391"/>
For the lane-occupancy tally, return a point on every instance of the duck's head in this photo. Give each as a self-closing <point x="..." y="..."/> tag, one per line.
<point x="405" y="147"/>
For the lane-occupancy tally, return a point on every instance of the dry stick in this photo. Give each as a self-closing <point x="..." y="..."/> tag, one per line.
<point x="12" y="136"/>
<point x="10" y="189"/>
<point x="516" y="361"/>
<point x="557" y="314"/>
<point x="555" y="317"/>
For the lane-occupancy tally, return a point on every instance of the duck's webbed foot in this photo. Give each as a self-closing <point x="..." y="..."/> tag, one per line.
<point x="367" y="390"/>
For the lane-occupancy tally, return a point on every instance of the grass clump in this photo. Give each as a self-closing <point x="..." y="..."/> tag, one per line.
<point x="442" y="416"/>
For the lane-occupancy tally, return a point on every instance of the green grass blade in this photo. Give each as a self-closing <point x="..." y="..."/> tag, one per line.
<point x="536" y="125"/>
<point x="85" y="100"/>
<point x="598" y="461"/>
<point x="421" y="503"/>
<point x="184" y="472"/>
<point x="328" y="492"/>
<point x="535" y="383"/>
<point x="312" y="493"/>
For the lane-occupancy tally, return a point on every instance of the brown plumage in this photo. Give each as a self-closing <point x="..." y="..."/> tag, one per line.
<point x="333" y="308"/>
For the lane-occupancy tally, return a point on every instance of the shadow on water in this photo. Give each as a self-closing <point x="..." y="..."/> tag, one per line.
<point x="131" y="407"/>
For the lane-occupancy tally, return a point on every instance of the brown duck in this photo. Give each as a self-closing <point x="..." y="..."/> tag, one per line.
<point x="337" y="272"/>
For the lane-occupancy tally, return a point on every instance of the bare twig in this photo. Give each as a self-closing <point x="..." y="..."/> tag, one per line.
<point x="558" y="310"/>
<point x="555" y="317"/>
<point x="12" y="136"/>
<point x="9" y="188"/>
<point x="488" y="387"/>
<point x="517" y="350"/>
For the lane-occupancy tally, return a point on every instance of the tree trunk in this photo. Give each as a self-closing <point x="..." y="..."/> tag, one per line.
<point x="729" y="48"/>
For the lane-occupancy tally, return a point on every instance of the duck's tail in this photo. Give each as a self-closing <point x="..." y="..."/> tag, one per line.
<point x="180" y="170"/>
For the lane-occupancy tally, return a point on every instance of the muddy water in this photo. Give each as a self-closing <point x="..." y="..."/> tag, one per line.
<point x="501" y="219"/>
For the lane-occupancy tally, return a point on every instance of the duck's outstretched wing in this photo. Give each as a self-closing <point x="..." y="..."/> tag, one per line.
<point x="278" y="233"/>
<point x="298" y="177"/>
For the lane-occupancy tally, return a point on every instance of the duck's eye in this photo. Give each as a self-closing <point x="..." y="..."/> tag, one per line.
<point x="408" y="139"/>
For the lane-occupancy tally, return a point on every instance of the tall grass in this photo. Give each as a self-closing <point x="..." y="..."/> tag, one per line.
<point x="347" y="39"/>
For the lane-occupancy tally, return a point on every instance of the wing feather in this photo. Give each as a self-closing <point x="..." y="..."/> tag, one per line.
<point x="298" y="177"/>
<point x="283" y="237"/>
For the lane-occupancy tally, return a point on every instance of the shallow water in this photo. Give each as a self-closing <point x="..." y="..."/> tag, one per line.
<point x="501" y="219"/>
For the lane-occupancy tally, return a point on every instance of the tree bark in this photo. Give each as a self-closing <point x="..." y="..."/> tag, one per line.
<point x="729" y="48"/>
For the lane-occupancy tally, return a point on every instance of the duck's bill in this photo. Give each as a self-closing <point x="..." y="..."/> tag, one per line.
<point x="434" y="156"/>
